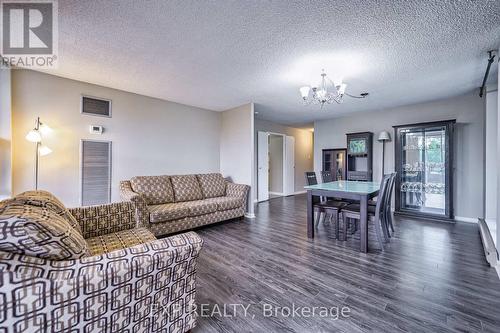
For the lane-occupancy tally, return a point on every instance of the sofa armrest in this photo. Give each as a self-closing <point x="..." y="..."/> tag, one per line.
<point x="141" y="207"/>
<point x="237" y="190"/>
<point x="151" y="286"/>
<point x="105" y="219"/>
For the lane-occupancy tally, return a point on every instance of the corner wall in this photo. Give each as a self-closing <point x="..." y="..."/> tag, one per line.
<point x="237" y="148"/>
<point x="498" y="155"/>
<point x="468" y="110"/>
<point x="491" y="166"/>
<point x="5" y="134"/>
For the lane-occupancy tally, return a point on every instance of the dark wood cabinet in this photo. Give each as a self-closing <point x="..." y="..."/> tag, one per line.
<point x="424" y="166"/>
<point x="334" y="160"/>
<point x="360" y="156"/>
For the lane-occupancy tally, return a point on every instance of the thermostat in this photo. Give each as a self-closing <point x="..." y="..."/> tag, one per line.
<point x="96" y="129"/>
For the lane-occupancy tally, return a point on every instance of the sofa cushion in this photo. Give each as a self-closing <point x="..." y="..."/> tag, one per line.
<point x="46" y="199"/>
<point x="227" y="203"/>
<point x="119" y="240"/>
<point x="168" y="212"/>
<point x="38" y="232"/>
<point x="155" y="189"/>
<point x="201" y="207"/>
<point x="186" y="188"/>
<point x="212" y="185"/>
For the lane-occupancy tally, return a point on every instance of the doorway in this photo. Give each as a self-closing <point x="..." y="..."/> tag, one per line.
<point x="275" y="169"/>
<point x="275" y="165"/>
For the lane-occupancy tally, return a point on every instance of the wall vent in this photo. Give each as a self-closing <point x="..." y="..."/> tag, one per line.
<point x="95" y="106"/>
<point x="95" y="172"/>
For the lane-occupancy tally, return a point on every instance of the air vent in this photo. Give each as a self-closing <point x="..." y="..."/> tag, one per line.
<point x="96" y="106"/>
<point x="96" y="172"/>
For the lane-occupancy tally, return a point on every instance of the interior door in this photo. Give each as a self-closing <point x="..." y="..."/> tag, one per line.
<point x="262" y="166"/>
<point x="289" y="166"/>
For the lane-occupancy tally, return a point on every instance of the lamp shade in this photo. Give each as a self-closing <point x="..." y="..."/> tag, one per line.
<point x="44" y="150"/>
<point x="45" y="129"/>
<point x="34" y="136"/>
<point x="304" y="92"/>
<point x="384" y="136"/>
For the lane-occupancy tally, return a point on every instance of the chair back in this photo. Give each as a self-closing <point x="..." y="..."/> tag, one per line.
<point x="388" y="198"/>
<point x="326" y="176"/>
<point x="311" y="178"/>
<point x="381" y="201"/>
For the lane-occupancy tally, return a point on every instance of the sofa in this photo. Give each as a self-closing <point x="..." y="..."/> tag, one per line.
<point x="91" y="269"/>
<point x="169" y="204"/>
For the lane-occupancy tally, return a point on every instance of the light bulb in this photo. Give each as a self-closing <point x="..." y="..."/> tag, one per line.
<point x="45" y="129"/>
<point x="34" y="136"/>
<point x="304" y="92"/>
<point x="44" y="150"/>
<point x="342" y="88"/>
<point x="321" y="93"/>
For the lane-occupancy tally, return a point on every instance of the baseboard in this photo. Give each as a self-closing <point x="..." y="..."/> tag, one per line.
<point x="276" y="193"/>
<point x="300" y="192"/>
<point x="466" y="219"/>
<point x="490" y="251"/>
<point x="250" y="215"/>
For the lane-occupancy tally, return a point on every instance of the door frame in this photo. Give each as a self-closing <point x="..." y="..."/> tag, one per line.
<point x="284" y="165"/>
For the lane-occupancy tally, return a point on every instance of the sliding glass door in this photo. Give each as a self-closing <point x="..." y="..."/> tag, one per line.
<point x="423" y="163"/>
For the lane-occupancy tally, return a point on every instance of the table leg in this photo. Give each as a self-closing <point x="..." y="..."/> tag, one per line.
<point x="363" y="203"/>
<point x="310" y="215"/>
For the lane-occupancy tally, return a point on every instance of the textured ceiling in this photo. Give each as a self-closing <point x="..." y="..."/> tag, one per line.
<point x="221" y="54"/>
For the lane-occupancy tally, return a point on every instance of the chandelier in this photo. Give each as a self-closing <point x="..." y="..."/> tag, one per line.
<point x="327" y="92"/>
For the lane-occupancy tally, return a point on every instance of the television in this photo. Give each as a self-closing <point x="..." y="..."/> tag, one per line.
<point x="357" y="146"/>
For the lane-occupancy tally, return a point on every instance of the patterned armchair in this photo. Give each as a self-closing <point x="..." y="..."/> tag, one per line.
<point x="169" y="204"/>
<point x="91" y="269"/>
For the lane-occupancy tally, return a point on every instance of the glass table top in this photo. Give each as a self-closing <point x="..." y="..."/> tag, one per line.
<point x="347" y="186"/>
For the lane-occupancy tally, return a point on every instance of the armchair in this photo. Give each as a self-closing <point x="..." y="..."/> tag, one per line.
<point x="131" y="281"/>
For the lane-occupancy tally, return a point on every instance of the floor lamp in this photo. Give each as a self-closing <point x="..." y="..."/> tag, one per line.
<point x="383" y="137"/>
<point x="35" y="136"/>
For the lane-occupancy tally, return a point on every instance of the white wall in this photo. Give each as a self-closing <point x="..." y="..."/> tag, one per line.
<point x="491" y="167"/>
<point x="237" y="147"/>
<point x="498" y="153"/>
<point x="276" y="163"/>
<point x="150" y="136"/>
<point x="303" y="148"/>
<point x="468" y="110"/>
<point x="5" y="134"/>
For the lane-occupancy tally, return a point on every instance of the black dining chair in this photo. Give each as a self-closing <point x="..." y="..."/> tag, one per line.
<point x="387" y="213"/>
<point x="328" y="208"/>
<point x="326" y="176"/>
<point x="388" y="210"/>
<point x="375" y="213"/>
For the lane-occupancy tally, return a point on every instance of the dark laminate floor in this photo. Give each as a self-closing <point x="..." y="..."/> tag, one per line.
<point x="431" y="278"/>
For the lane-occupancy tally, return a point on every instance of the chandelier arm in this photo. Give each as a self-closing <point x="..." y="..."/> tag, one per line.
<point x="354" y="96"/>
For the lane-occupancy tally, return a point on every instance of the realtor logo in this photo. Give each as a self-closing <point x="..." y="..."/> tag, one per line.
<point x="29" y="33"/>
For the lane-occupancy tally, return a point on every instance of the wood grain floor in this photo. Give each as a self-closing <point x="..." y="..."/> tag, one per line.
<point x="432" y="277"/>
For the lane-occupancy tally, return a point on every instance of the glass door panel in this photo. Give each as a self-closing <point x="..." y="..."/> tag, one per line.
<point x="424" y="170"/>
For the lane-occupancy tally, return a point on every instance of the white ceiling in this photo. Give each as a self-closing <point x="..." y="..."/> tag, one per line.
<point x="221" y="54"/>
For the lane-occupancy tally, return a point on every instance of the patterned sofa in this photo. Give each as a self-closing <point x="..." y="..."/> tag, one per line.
<point x="169" y="204"/>
<point x="91" y="269"/>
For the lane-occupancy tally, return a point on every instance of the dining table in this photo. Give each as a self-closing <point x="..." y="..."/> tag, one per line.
<point x="343" y="189"/>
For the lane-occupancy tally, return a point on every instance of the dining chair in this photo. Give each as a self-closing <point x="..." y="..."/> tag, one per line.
<point x="326" y="176"/>
<point x="375" y="213"/>
<point x="388" y="211"/>
<point x="328" y="208"/>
